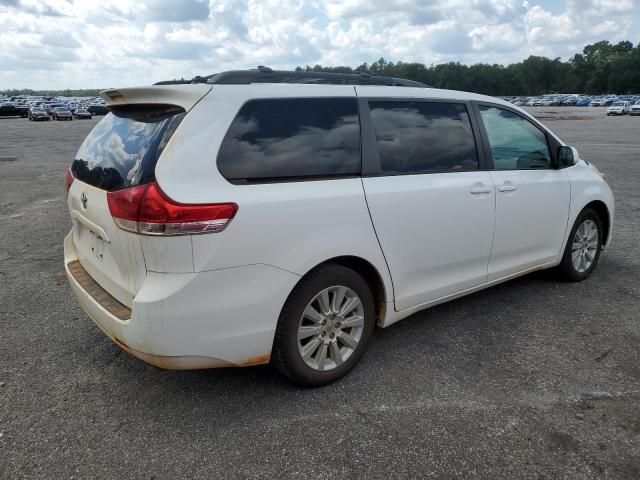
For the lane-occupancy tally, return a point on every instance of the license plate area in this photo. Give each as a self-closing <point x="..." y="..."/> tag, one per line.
<point x="91" y="243"/>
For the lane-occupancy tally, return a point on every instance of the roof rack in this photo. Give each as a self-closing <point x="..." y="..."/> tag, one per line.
<point x="266" y="75"/>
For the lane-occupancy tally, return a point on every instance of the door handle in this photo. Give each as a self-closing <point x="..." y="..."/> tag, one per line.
<point x="507" y="187"/>
<point x="480" y="189"/>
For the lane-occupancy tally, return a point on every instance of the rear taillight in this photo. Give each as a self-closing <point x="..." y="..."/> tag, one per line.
<point x="68" y="180"/>
<point x="147" y="210"/>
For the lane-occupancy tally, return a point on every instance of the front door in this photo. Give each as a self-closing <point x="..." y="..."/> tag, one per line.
<point x="532" y="196"/>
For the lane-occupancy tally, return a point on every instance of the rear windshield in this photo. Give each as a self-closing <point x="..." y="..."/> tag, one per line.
<point x="123" y="149"/>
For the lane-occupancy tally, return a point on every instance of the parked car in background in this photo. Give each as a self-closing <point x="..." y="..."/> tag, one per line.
<point x="602" y="102"/>
<point x="635" y="109"/>
<point x="11" y="109"/>
<point x="49" y="107"/>
<point x="38" y="113"/>
<point x="399" y="197"/>
<point x="60" y="113"/>
<point x="82" y="114"/>
<point x="97" y="109"/>
<point x="619" y="108"/>
<point x="23" y="107"/>
<point x="583" y="102"/>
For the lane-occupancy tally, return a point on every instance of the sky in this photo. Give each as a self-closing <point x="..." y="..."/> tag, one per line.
<point x="57" y="44"/>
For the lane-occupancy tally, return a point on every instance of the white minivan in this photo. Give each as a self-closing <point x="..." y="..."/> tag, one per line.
<point x="261" y="216"/>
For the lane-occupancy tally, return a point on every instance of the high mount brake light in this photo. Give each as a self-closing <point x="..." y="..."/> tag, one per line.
<point x="146" y="209"/>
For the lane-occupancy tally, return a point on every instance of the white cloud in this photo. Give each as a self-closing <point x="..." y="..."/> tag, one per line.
<point x="582" y="22"/>
<point x="91" y="43"/>
<point x="544" y="28"/>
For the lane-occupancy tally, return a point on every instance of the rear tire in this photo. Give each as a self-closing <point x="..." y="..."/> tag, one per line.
<point x="324" y="327"/>
<point x="583" y="249"/>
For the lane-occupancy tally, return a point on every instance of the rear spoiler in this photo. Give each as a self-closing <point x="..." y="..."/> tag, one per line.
<point x="185" y="96"/>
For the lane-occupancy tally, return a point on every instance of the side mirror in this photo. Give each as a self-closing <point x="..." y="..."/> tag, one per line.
<point x="567" y="156"/>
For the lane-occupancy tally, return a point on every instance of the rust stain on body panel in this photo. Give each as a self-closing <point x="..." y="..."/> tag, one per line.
<point x="259" y="360"/>
<point x="190" y="362"/>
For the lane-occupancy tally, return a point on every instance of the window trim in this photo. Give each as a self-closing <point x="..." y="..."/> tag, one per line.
<point x="371" y="165"/>
<point x="552" y="143"/>
<point x="296" y="178"/>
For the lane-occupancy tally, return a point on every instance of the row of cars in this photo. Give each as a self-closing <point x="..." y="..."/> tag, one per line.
<point x="617" y="104"/>
<point x="58" y="113"/>
<point x="56" y="108"/>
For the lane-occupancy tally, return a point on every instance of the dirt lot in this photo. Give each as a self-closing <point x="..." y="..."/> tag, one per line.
<point x="531" y="379"/>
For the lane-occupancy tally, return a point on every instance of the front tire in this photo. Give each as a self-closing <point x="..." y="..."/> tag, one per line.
<point x="324" y="327"/>
<point x="583" y="248"/>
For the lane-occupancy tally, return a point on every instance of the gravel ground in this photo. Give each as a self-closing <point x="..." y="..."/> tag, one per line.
<point x="530" y="379"/>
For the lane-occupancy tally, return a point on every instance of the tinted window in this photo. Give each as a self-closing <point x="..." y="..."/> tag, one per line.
<point x="516" y="144"/>
<point x="284" y="138"/>
<point x="416" y="137"/>
<point x="123" y="149"/>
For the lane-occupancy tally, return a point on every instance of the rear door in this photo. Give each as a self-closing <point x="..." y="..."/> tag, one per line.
<point x="120" y="152"/>
<point x="431" y="202"/>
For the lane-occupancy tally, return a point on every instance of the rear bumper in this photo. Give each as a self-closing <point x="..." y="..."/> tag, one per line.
<point x="212" y="319"/>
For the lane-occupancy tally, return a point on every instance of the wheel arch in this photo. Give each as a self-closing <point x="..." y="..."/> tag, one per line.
<point x="605" y="217"/>
<point x="369" y="273"/>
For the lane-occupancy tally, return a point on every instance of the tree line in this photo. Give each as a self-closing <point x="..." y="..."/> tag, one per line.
<point x="601" y="68"/>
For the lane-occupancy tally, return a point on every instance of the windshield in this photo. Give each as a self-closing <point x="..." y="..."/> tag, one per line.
<point x="122" y="151"/>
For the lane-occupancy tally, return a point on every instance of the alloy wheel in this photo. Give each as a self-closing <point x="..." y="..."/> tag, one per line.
<point x="330" y="328"/>
<point x="585" y="246"/>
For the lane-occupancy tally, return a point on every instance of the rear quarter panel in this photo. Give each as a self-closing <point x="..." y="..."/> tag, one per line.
<point x="293" y="226"/>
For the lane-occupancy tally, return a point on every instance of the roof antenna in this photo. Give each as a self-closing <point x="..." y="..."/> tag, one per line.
<point x="264" y="69"/>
